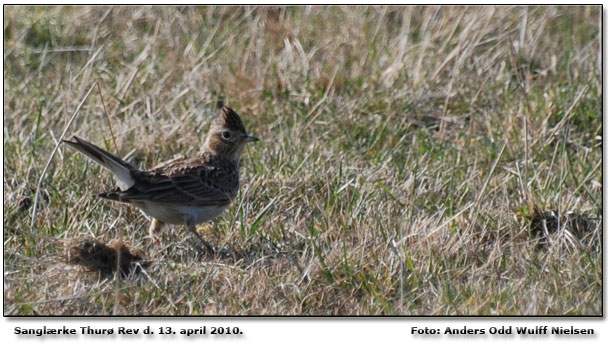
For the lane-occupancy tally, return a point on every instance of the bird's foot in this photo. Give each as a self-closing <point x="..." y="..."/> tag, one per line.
<point x="203" y="247"/>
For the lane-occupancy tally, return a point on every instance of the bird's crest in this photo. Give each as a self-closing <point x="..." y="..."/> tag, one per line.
<point x="230" y="119"/>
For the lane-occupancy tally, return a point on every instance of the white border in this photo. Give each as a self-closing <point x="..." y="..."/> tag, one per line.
<point x="304" y="331"/>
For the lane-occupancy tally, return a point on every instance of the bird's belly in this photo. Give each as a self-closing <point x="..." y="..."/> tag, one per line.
<point x="180" y="214"/>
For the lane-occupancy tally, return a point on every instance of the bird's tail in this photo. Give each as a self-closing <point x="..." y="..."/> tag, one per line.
<point x="119" y="168"/>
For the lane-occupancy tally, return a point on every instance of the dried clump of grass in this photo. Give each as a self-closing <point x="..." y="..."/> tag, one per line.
<point x="99" y="257"/>
<point x="546" y="223"/>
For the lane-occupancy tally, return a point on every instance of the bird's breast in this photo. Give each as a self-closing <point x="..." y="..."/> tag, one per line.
<point x="180" y="214"/>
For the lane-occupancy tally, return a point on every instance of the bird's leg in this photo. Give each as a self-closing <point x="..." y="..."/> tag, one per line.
<point x="154" y="227"/>
<point x="192" y="227"/>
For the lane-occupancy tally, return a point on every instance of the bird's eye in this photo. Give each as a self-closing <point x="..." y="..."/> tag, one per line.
<point x="226" y="134"/>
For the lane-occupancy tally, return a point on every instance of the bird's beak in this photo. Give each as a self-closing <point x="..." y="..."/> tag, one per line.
<point x="251" y="139"/>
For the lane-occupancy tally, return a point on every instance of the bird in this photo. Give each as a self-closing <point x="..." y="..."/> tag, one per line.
<point x="187" y="191"/>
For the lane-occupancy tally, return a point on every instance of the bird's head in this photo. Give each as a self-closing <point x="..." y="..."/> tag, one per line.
<point x="227" y="135"/>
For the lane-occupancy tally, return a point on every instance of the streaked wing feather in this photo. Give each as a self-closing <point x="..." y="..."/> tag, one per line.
<point x="203" y="180"/>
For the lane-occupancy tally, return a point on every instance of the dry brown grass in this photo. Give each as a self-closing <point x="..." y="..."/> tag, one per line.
<point x="407" y="155"/>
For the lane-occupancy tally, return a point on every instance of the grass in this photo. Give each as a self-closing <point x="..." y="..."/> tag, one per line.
<point x="414" y="160"/>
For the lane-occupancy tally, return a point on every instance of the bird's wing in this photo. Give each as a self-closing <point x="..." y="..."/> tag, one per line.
<point x="198" y="181"/>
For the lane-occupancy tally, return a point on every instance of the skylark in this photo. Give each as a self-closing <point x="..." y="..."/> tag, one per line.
<point x="188" y="191"/>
